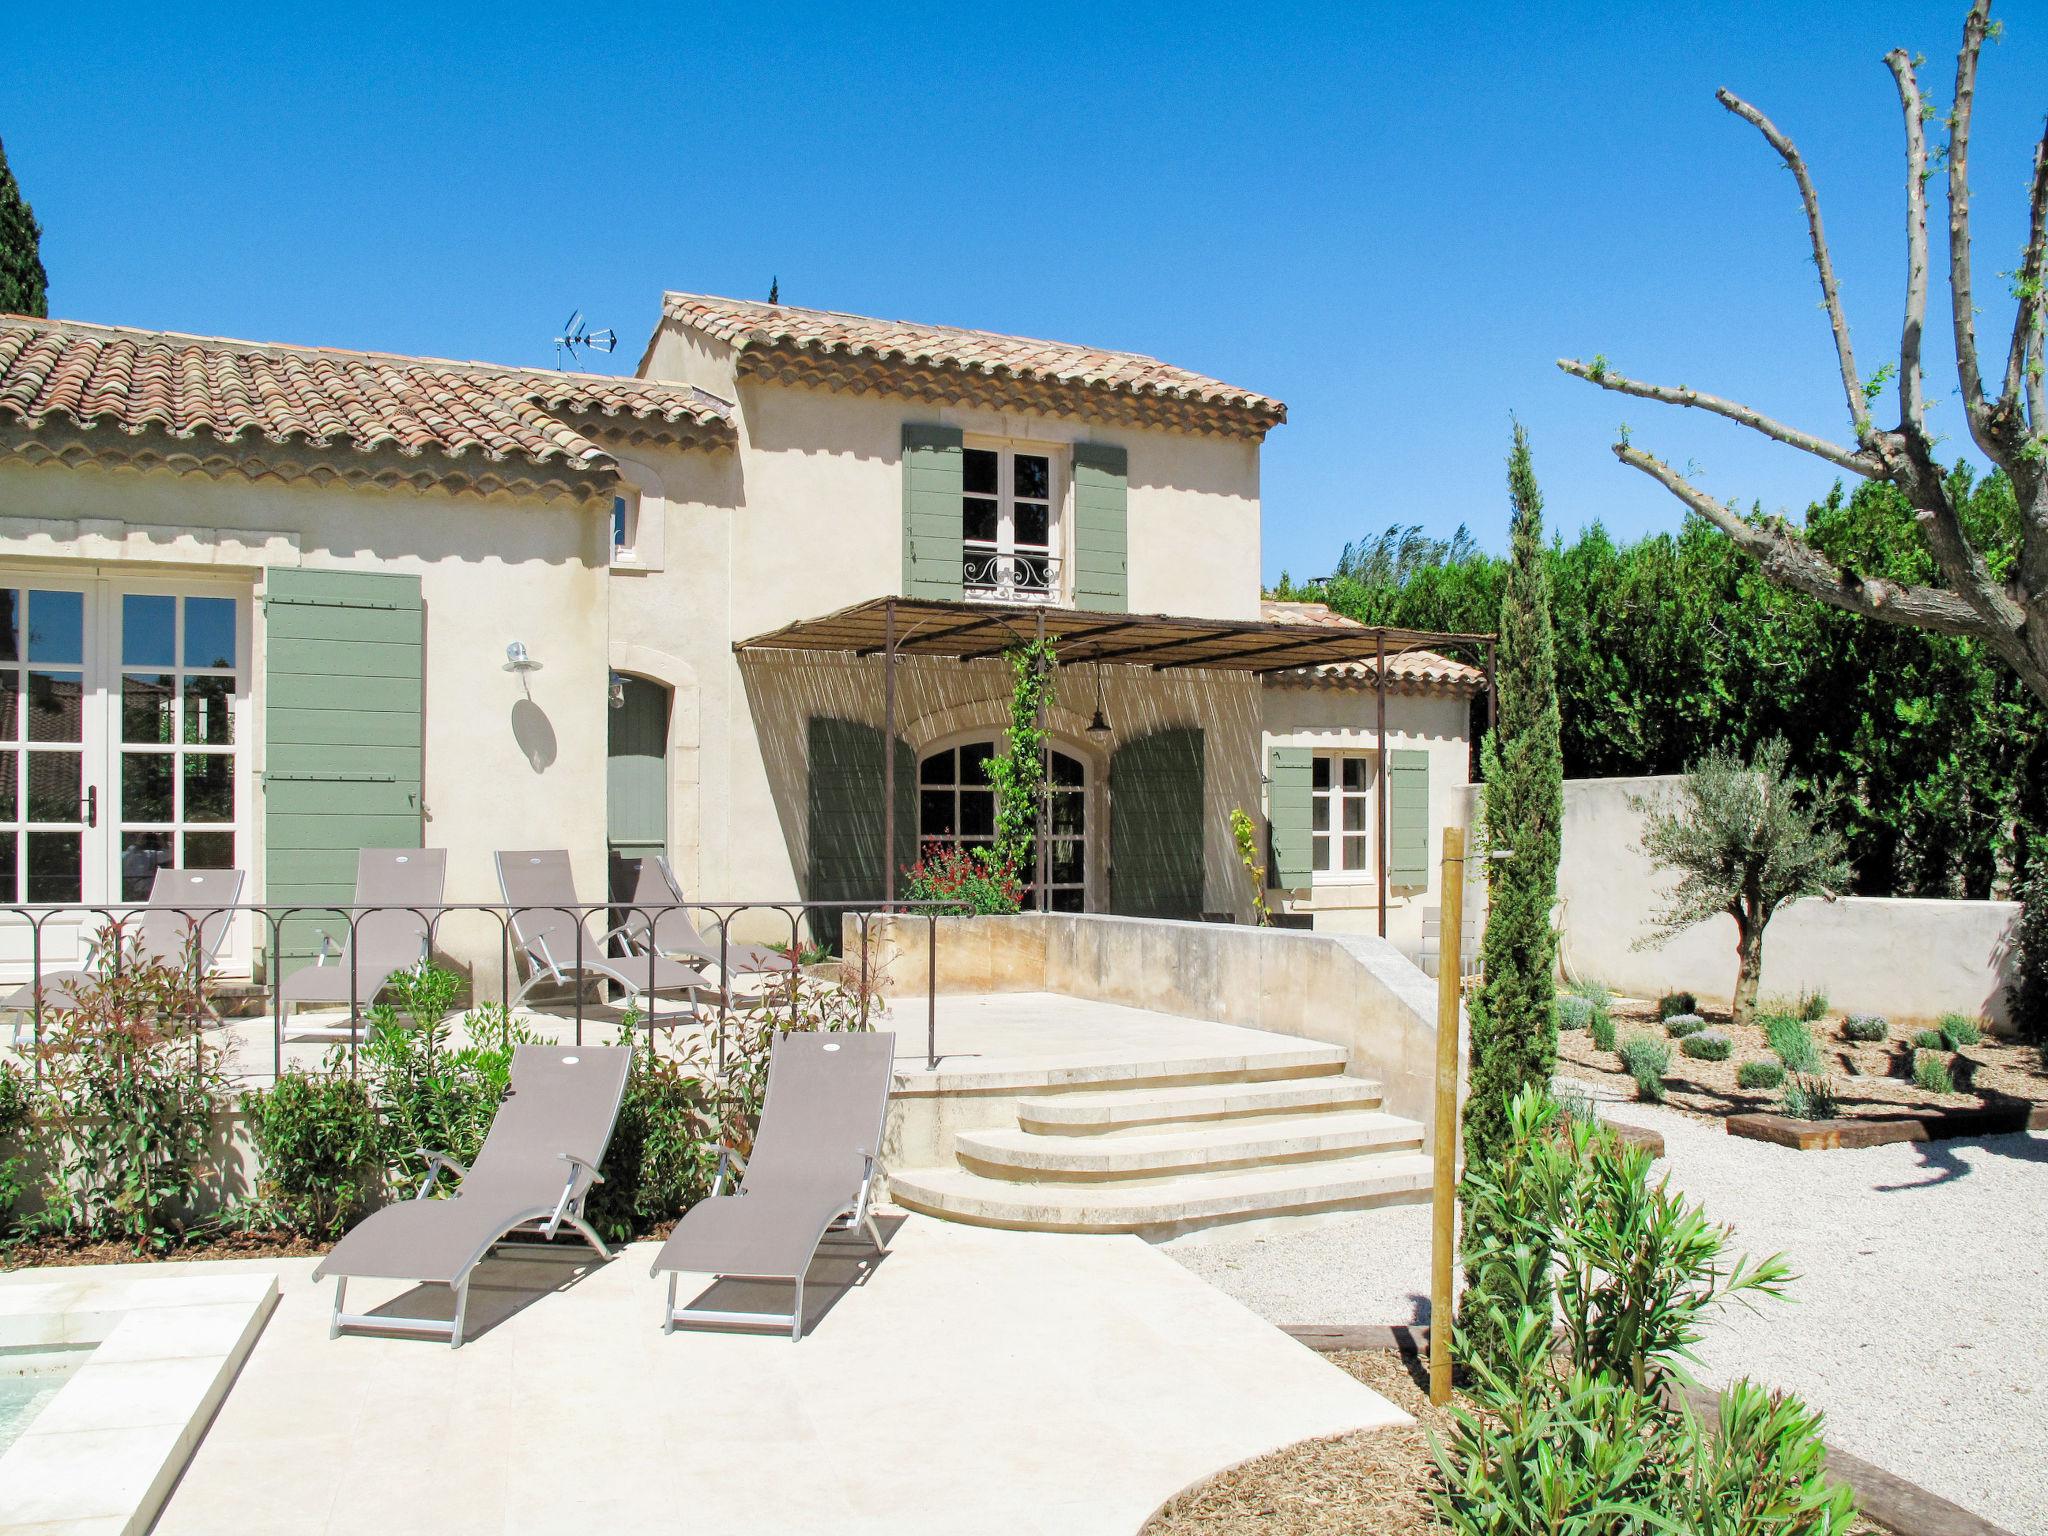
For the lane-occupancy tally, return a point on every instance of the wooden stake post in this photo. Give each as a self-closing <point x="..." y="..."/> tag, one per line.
<point x="1444" y="1141"/>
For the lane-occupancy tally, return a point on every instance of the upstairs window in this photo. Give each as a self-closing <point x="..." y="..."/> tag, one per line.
<point x="626" y="528"/>
<point x="1009" y="519"/>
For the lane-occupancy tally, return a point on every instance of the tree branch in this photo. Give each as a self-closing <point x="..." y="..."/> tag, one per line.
<point x="1975" y="28"/>
<point x="1852" y="382"/>
<point x="1912" y="408"/>
<point x="2023" y="359"/>
<point x="1792" y="562"/>
<point x="1868" y="465"/>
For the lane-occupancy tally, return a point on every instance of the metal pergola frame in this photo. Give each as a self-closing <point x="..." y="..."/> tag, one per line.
<point x="965" y="631"/>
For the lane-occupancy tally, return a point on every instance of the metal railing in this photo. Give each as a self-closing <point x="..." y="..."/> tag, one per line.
<point x="614" y="948"/>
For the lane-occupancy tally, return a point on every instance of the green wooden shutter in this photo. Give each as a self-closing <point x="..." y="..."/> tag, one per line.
<point x="1101" y="528"/>
<point x="1289" y="807"/>
<point x="844" y="816"/>
<point x="636" y="770"/>
<point x="931" y="511"/>
<point x="1407" y="817"/>
<point x="342" y="733"/>
<point x="1155" y="809"/>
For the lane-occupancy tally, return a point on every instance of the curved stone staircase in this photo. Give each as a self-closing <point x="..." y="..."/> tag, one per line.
<point x="1179" y="1149"/>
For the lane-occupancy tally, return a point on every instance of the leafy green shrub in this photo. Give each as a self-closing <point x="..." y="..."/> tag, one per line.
<point x="17" y="1127"/>
<point x="1930" y="1040"/>
<point x="1792" y="1039"/>
<point x="1583" y="1419"/>
<point x="1679" y="1025"/>
<point x="1866" y="1027"/>
<point x="1760" y="1074"/>
<point x="1707" y="1045"/>
<point x="662" y="1152"/>
<point x="1959" y="1030"/>
<point x="1573" y="1012"/>
<point x="1646" y="1059"/>
<point x="1811" y="1007"/>
<point x="132" y="1078"/>
<point x="1810" y="1098"/>
<point x="320" y="1150"/>
<point x="1676" y="1002"/>
<point x="1597" y="993"/>
<point x="1930" y="1071"/>
<point x="1602" y="1029"/>
<point x="431" y="1094"/>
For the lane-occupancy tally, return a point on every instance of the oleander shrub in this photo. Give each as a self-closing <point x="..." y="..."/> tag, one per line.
<point x="1676" y="1002"/>
<point x="1792" y="1040"/>
<point x="1573" y="1012"/>
<point x="1707" y="1045"/>
<point x="1599" y="1284"/>
<point x="1602" y="1029"/>
<point x="1866" y="1027"/>
<point x="1959" y="1030"/>
<point x="17" y="1132"/>
<point x="319" y="1150"/>
<point x="664" y="1147"/>
<point x="1760" y="1073"/>
<point x="1931" y="1072"/>
<point x="1930" y="1040"/>
<point x="1646" y="1059"/>
<point x="1810" y="1097"/>
<point x="1679" y="1025"/>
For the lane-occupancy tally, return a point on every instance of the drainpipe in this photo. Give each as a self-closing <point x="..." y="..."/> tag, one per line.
<point x="1380" y="777"/>
<point x="889" y="755"/>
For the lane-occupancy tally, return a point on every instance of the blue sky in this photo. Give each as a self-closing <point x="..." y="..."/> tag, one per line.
<point x="1392" y="218"/>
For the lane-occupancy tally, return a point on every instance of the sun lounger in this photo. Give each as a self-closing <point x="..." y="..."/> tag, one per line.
<point x="813" y="1168"/>
<point x="558" y="947"/>
<point x="181" y="901"/>
<point x="406" y="885"/>
<point x="537" y="1165"/>
<point x="654" y="911"/>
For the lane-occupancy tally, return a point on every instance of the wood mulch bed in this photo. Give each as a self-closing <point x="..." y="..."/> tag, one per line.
<point x="1872" y="1080"/>
<point x="68" y="1252"/>
<point x="1377" y="1482"/>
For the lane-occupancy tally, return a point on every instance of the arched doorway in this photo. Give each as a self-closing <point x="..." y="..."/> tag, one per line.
<point x="636" y="767"/>
<point x="956" y="807"/>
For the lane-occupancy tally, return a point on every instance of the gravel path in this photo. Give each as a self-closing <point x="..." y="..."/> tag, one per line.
<point x="1919" y="1323"/>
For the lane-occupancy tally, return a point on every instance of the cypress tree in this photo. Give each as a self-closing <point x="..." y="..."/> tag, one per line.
<point x="1513" y="1031"/>
<point x="24" y="286"/>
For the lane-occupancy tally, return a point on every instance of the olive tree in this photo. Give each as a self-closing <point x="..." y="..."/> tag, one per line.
<point x="1744" y="844"/>
<point x="1993" y="581"/>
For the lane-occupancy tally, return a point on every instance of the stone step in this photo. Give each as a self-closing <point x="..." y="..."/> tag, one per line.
<point x="1090" y="1114"/>
<point x="1174" y="1205"/>
<point x="1025" y="1155"/>
<point x="1110" y="1070"/>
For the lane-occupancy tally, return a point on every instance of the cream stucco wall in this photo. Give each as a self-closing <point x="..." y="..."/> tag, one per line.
<point x="1910" y="960"/>
<point x="1346" y="720"/>
<point x="501" y="767"/>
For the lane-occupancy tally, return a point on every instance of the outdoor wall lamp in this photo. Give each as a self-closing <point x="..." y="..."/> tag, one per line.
<point x="516" y="659"/>
<point x="1099" y="725"/>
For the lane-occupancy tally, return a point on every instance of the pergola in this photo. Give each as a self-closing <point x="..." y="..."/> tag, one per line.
<point x="964" y="631"/>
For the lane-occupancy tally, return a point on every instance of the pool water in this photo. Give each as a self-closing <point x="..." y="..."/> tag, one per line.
<point x="29" y="1377"/>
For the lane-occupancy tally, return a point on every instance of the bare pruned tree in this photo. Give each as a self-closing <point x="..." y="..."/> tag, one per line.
<point x="1996" y="595"/>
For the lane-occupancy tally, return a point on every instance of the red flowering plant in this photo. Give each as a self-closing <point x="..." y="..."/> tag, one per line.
<point x="975" y="880"/>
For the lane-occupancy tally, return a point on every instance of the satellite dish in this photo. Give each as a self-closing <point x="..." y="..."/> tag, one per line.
<point x="576" y="333"/>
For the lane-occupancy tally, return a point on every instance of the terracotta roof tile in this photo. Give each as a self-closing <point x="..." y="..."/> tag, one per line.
<point x="241" y="392"/>
<point x="816" y="334"/>
<point x="1413" y="671"/>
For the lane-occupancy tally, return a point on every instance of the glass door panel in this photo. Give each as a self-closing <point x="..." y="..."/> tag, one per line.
<point x="48" y="803"/>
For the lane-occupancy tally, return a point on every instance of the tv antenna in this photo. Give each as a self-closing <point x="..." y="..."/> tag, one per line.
<point x="576" y="332"/>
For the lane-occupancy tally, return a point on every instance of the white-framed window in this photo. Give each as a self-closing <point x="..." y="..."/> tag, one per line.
<point x="1010" y="523"/>
<point x="1340" y="816"/>
<point x="626" y="527"/>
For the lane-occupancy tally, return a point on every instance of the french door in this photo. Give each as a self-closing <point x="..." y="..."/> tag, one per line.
<point x="123" y="731"/>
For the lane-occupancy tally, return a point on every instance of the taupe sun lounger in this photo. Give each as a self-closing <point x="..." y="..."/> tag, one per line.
<point x="180" y="900"/>
<point x="540" y="891"/>
<point x="537" y="1165"/>
<point x="408" y="883"/>
<point x="653" y="886"/>
<point x="813" y="1168"/>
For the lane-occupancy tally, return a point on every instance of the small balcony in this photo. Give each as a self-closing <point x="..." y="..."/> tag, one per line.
<point x="993" y="575"/>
